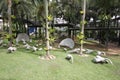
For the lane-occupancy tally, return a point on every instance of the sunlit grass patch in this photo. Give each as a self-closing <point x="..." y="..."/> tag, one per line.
<point x="26" y="65"/>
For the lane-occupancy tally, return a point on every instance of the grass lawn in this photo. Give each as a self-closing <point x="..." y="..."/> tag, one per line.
<point x="25" y="65"/>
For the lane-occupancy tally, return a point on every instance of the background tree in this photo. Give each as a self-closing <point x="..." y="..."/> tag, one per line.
<point x="46" y="24"/>
<point x="9" y="20"/>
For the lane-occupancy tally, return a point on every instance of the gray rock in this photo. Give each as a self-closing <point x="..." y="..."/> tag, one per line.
<point x="88" y="51"/>
<point x="27" y="46"/>
<point x="1" y="41"/>
<point x="22" y="37"/>
<point x="101" y="53"/>
<point x="76" y="50"/>
<point x="68" y="42"/>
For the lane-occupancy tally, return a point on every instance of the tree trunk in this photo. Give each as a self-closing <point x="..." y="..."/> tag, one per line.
<point x="83" y="20"/>
<point x="9" y="20"/>
<point x="46" y="24"/>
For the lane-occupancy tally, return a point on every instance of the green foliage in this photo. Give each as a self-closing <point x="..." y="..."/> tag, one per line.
<point x="80" y="38"/>
<point x="52" y="39"/>
<point x="2" y="34"/>
<point x="46" y="49"/>
<point x="52" y="30"/>
<point x="81" y="12"/>
<point x="104" y="17"/>
<point x="13" y="16"/>
<point x="16" y="1"/>
<point x="9" y="36"/>
<point x="50" y="18"/>
<point x="51" y="35"/>
<point x="83" y="22"/>
<point x="5" y="41"/>
<point x="6" y="37"/>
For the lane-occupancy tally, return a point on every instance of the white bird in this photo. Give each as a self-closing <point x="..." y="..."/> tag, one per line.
<point x="34" y="48"/>
<point x="69" y="57"/>
<point x="99" y="59"/>
<point x="11" y="49"/>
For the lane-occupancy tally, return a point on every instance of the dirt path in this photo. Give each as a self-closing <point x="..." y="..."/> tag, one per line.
<point x="113" y="49"/>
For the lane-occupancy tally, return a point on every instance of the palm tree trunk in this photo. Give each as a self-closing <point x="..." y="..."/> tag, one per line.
<point x="46" y="24"/>
<point x="9" y="20"/>
<point x="83" y="23"/>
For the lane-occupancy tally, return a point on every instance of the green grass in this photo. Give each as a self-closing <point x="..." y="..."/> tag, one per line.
<point x="25" y="65"/>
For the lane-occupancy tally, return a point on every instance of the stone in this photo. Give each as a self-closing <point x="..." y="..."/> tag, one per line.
<point x="68" y="42"/>
<point x="88" y="51"/>
<point x="1" y="41"/>
<point x="101" y="53"/>
<point x="22" y="37"/>
<point x="27" y="46"/>
<point x="76" y="50"/>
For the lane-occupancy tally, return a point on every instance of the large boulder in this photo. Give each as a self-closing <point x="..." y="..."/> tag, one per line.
<point x="21" y="37"/>
<point x="68" y="42"/>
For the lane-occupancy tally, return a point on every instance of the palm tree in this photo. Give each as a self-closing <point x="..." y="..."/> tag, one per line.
<point x="83" y="23"/>
<point x="46" y="22"/>
<point x="19" y="9"/>
<point x="9" y="20"/>
<point x="22" y="7"/>
<point x="71" y="8"/>
<point x="48" y="56"/>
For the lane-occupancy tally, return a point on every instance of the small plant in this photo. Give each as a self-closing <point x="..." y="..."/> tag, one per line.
<point x="50" y="18"/>
<point x="52" y="37"/>
<point x="80" y="37"/>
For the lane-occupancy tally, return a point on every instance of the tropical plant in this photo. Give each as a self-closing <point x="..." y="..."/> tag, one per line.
<point x="14" y="10"/>
<point x="46" y="26"/>
<point x="52" y="37"/>
<point x="82" y="23"/>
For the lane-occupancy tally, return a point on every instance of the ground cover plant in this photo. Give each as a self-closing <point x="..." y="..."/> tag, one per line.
<point x="26" y="65"/>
